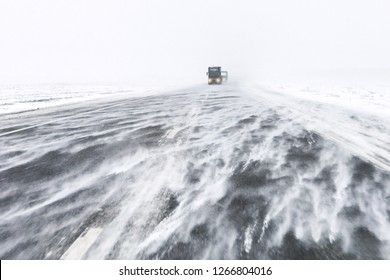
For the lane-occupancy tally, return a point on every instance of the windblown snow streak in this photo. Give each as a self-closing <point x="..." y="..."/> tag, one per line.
<point x="207" y="173"/>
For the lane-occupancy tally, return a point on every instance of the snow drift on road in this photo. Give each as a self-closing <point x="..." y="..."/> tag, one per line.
<point x="223" y="172"/>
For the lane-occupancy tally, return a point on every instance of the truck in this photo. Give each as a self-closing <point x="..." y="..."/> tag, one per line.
<point x="216" y="76"/>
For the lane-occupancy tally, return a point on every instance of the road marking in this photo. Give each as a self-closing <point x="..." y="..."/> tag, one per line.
<point x="193" y="114"/>
<point x="77" y="250"/>
<point x="173" y="133"/>
<point x="185" y="120"/>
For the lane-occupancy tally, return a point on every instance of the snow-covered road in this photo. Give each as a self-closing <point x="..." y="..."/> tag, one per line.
<point x="207" y="172"/>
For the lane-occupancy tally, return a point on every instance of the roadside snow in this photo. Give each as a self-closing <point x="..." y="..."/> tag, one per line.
<point x="20" y="98"/>
<point x="357" y="118"/>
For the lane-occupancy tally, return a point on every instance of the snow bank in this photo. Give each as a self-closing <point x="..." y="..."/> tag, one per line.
<point x="18" y="98"/>
<point x="357" y="118"/>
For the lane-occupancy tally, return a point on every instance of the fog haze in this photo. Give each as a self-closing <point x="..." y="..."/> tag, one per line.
<point x="93" y="41"/>
<point x="116" y="145"/>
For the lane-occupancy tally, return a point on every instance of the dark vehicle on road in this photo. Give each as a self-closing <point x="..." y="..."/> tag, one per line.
<point x="216" y="76"/>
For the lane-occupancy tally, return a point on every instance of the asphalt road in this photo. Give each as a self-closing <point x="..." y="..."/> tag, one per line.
<point x="198" y="173"/>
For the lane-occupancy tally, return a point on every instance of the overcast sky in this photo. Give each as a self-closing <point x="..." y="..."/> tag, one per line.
<point x="45" y="41"/>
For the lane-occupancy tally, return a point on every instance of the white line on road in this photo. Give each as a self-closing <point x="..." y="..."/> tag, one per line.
<point x="183" y="124"/>
<point x="173" y="133"/>
<point x="77" y="250"/>
<point x="193" y="114"/>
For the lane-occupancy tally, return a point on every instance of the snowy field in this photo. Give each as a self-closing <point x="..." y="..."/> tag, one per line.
<point x="21" y="98"/>
<point x="207" y="172"/>
<point x="356" y="118"/>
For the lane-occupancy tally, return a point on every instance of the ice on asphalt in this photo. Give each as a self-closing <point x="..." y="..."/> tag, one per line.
<point x="253" y="171"/>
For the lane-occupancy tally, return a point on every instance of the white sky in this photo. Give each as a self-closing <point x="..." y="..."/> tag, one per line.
<point x="45" y="41"/>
